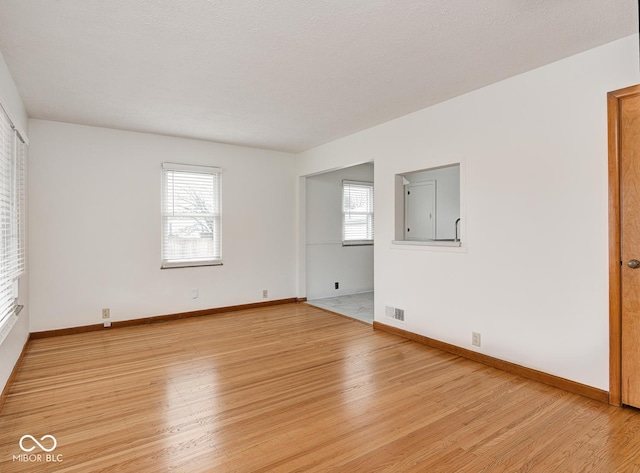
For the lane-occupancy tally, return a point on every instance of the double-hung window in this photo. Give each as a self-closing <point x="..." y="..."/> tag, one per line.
<point x="191" y="213"/>
<point x="12" y="221"/>
<point x="357" y="213"/>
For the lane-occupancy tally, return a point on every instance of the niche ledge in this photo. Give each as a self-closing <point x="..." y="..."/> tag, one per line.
<point x="434" y="243"/>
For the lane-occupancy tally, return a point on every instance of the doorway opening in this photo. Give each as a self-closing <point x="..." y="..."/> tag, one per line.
<point x="339" y="241"/>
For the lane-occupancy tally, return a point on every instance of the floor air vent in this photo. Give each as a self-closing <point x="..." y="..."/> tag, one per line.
<point x="394" y="313"/>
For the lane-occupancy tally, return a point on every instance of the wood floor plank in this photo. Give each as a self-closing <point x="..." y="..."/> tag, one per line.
<point x="294" y="388"/>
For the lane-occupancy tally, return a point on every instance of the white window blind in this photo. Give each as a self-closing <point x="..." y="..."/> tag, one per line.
<point x="357" y="213"/>
<point x="12" y="221"/>
<point x="191" y="214"/>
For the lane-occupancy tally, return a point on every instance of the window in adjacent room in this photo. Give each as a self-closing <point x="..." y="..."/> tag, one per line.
<point x="191" y="215"/>
<point x="357" y="213"/>
<point x="12" y="221"/>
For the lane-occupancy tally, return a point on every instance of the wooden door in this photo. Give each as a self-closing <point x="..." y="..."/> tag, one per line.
<point x="624" y="232"/>
<point x="630" y="247"/>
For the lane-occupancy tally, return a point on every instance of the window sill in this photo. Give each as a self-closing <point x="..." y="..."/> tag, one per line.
<point x="357" y="243"/>
<point x="9" y="322"/>
<point x="191" y="264"/>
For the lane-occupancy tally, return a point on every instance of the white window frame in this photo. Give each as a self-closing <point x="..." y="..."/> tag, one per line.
<point x="346" y="241"/>
<point x="12" y="220"/>
<point x="170" y="259"/>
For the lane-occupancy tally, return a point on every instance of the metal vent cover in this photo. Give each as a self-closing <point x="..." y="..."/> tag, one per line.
<point x="394" y="313"/>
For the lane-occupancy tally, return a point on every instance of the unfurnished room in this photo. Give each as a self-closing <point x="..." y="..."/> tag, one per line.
<point x="329" y="236"/>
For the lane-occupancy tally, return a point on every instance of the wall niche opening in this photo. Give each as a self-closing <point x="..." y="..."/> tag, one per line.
<point x="427" y="206"/>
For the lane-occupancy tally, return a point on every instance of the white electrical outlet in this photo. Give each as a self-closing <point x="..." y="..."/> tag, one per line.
<point x="475" y="339"/>
<point x="265" y="293"/>
<point x="106" y="313"/>
<point x="107" y="324"/>
<point x="194" y="293"/>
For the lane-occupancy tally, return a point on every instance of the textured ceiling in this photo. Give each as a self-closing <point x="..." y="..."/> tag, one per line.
<point x="282" y="74"/>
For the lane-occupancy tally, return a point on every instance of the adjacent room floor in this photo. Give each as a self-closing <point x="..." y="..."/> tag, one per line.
<point x="357" y="306"/>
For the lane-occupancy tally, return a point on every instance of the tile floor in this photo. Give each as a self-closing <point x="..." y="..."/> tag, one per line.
<point x="358" y="306"/>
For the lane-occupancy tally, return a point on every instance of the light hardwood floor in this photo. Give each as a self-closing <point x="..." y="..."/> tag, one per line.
<point x="294" y="388"/>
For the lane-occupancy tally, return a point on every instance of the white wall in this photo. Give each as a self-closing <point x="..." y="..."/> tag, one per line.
<point x="327" y="261"/>
<point x="11" y="343"/>
<point x="95" y="226"/>
<point x="532" y="275"/>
